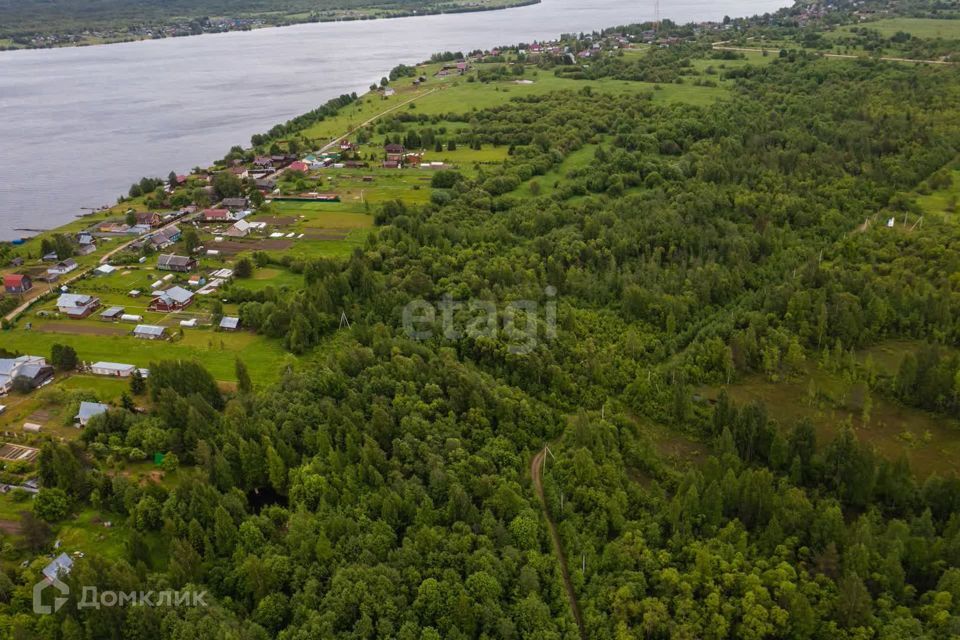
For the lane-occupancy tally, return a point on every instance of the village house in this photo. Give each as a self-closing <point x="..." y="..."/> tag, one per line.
<point x="264" y="162"/>
<point x="113" y="227"/>
<point x="394" y="152"/>
<point x="265" y="185"/>
<point x="77" y="305"/>
<point x="149" y="332"/>
<point x="17" y="283"/>
<point x="173" y="299"/>
<point x="165" y="237"/>
<point x="85" y="244"/>
<point x="33" y="368"/>
<point x="241" y="172"/>
<point x="148" y="218"/>
<point x="89" y="410"/>
<point x="229" y="323"/>
<point x="299" y="165"/>
<point x="234" y="204"/>
<point x="171" y="262"/>
<point x="217" y="215"/>
<point x="240" y="229"/>
<point x="63" y="267"/>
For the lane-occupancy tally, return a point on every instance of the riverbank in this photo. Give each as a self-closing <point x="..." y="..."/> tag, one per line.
<point x="181" y="27"/>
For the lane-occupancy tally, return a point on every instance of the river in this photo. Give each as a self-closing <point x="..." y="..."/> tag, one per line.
<point x="79" y="125"/>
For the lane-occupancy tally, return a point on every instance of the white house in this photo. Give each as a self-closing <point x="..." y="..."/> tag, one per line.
<point x="33" y="367"/>
<point x="77" y="305"/>
<point x="114" y="369"/>
<point x="63" y="267"/>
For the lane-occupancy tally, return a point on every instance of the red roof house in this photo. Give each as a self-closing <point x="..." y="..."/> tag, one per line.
<point x="17" y="283"/>
<point x="299" y="166"/>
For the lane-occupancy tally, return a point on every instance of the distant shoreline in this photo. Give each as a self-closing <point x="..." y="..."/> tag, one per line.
<point x="509" y="4"/>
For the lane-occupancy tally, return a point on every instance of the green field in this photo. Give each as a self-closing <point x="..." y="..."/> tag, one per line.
<point x="215" y="350"/>
<point x="917" y="27"/>
<point x="928" y="441"/>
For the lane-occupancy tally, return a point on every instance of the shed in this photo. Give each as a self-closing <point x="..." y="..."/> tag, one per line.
<point x="115" y="369"/>
<point x="112" y="314"/>
<point x="88" y="410"/>
<point x="149" y="332"/>
<point x="60" y="566"/>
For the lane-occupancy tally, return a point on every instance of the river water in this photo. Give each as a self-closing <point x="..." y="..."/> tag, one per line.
<point x="79" y="125"/>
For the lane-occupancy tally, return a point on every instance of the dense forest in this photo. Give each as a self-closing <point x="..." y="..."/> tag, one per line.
<point x="382" y="488"/>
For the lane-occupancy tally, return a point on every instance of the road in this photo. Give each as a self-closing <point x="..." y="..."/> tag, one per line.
<point x="336" y="141"/>
<point x="36" y="293"/>
<point x="536" y="475"/>
<point x="847" y="56"/>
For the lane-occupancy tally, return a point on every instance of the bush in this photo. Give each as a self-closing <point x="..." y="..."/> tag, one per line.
<point x="51" y="505"/>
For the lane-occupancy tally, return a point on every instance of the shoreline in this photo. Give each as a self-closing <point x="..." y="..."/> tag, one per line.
<point x="512" y="4"/>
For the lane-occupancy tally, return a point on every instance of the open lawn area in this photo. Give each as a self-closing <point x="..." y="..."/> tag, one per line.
<point x="463" y="97"/>
<point x="549" y="181"/>
<point x="215" y="350"/>
<point x="930" y="442"/>
<point x="55" y="405"/>
<point x="944" y="201"/>
<point x="917" y="27"/>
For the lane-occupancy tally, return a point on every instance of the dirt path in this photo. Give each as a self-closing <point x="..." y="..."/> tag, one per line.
<point x="11" y="527"/>
<point x="536" y="471"/>
<point x="327" y="146"/>
<point x="38" y="292"/>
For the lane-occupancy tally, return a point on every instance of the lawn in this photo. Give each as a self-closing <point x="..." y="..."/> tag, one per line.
<point x="548" y="182"/>
<point x="215" y="350"/>
<point x="917" y="27"/>
<point x="941" y="201"/>
<point x="931" y="443"/>
<point x="271" y="277"/>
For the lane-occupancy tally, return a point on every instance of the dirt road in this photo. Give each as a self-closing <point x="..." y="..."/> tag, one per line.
<point x="336" y="141"/>
<point x="536" y="471"/>
<point x="36" y="292"/>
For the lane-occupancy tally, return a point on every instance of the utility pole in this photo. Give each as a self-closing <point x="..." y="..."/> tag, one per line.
<point x="543" y="465"/>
